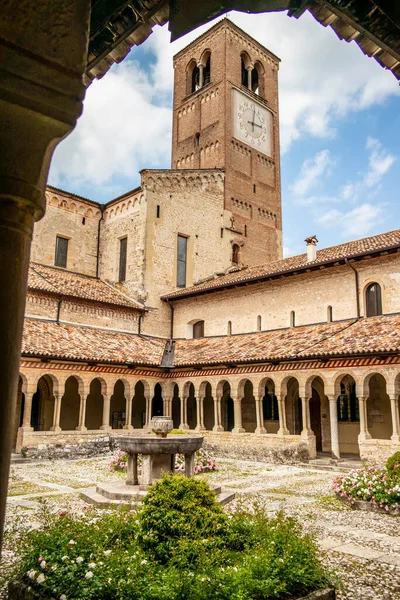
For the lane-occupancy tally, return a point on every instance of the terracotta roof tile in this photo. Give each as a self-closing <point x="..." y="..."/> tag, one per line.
<point x="66" y="283"/>
<point x="72" y="342"/>
<point x="371" y="335"/>
<point x="332" y="254"/>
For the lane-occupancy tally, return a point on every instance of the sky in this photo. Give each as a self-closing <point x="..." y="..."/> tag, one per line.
<point x="339" y="129"/>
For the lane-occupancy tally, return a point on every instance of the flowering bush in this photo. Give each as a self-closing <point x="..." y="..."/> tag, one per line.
<point x="380" y="487"/>
<point x="180" y="544"/>
<point x="203" y="462"/>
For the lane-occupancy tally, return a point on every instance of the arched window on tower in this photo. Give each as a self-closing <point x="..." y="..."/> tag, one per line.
<point x="246" y="68"/>
<point x="235" y="254"/>
<point x="229" y="330"/>
<point x="197" y="140"/>
<point x="207" y="69"/>
<point x="329" y="314"/>
<point x="373" y="300"/>
<point x="292" y="318"/>
<point x="195" y="79"/>
<point x="198" y="329"/>
<point x="257" y="79"/>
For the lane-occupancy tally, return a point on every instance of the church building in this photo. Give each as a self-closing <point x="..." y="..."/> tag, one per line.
<point x="174" y="298"/>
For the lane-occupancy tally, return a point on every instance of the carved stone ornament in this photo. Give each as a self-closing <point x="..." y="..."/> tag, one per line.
<point x="161" y="426"/>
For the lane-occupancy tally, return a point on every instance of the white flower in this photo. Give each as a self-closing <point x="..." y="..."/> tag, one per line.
<point x="109" y="580"/>
<point x="107" y="552"/>
<point x="64" y="558"/>
<point x="89" y="575"/>
<point x="79" y="560"/>
<point x="71" y="542"/>
<point x="43" y="564"/>
<point x="31" y="574"/>
<point x="63" y="597"/>
<point x="40" y="578"/>
<point x="144" y="561"/>
<point x="92" y="565"/>
<point x="234" y="568"/>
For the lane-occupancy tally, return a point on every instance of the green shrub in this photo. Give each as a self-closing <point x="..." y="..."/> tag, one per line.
<point x="180" y="546"/>
<point x="393" y="464"/>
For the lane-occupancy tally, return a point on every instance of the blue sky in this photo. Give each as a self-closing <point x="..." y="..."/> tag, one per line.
<point x="339" y="126"/>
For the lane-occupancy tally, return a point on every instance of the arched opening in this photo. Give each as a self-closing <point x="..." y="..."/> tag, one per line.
<point x="197" y="140"/>
<point x="379" y="416"/>
<point x="246" y="66"/>
<point x="157" y="405"/>
<point x="43" y="405"/>
<point x="329" y="314"/>
<point x="191" y="407"/>
<point x="259" y="323"/>
<point x="139" y="406"/>
<point x="208" y="408"/>
<point x="193" y="77"/>
<point x="235" y="254"/>
<point x="70" y="404"/>
<point x="319" y="415"/>
<point x="229" y="328"/>
<point x="348" y="416"/>
<point x="227" y="409"/>
<point x="294" y="412"/>
<point x="270" y="407"/>
<point x="249" y="418"/>
<point x="198" y="329"/>
<point x="118" y="406"/>
<point x="207" y="69"/>
<point x="257" y="79"/>
<point x="94" y="405"/>
<point x="176" y="407"/>
<point x="373" y="300"/>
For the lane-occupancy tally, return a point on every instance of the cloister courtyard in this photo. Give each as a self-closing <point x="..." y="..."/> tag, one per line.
<point x="362" y="547"/>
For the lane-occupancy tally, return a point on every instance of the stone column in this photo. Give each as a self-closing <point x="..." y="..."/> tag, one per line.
<point x="305" y="404"/>
<point x="237" y="407"/>
<point x="105" y="423"/>
<point x="128" y="415"/>
<point x="364" y="433"/>
<point x="148" y="413"/>
<point x="249" y="70"/>
<point x="168" y="406"/>
<point x="260" y="416"/>
<point x="132" y="470"/>
<point x="333" y="417"/>
<point x="218" y="413"/>
<point x="184" y="424"/>
<point x="189" y="464"/>
<point x="394" y="405"/>
<point x="200" y="413"/>
<point x="283" y="430"/>
<point x="43" y="56"/>
<point x="147" y="469"/>
<point x="82" y="414"/>
<point x="56" y="414"/>
<point x="201" y="76"/>
<point x="31" y="389"/>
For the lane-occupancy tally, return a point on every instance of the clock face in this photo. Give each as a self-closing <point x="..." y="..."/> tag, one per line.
<point x="252" y="123"/>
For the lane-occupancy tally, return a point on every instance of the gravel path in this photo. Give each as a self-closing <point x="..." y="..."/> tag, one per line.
<point x="362" y="547"/>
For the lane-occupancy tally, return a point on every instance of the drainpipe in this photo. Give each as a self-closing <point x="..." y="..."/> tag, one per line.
<point x="172" y="321"/>
<point x="58" y="310"/>
<point x="357" y="286"/>
<point x="140" y="324"/>
<point x="98" y="241"/>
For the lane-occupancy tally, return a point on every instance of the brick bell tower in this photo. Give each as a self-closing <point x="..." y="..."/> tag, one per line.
<point x="225" y="115"/>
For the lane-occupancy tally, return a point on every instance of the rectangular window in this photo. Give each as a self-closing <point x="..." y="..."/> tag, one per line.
<point x="61" y="252"/>
<point x="123" y="244"/>
<point x="181" y="261"/>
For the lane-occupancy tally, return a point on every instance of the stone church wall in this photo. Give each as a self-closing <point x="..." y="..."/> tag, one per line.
<point x="308" y="294"/>
<point x="73" y="218"/>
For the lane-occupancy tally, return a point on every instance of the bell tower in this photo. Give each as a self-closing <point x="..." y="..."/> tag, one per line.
<point x="225" y="115"/>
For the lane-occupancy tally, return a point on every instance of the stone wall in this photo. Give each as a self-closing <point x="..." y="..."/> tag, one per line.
<point x="308" y="294"/>
<point x="71" y="217"/>
<point x="378" y="451"/>
<point x="46" y="445"/>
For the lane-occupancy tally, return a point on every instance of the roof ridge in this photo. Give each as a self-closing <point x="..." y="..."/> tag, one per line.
<point x="43" y="277"/>
<point x="63" y="270"/>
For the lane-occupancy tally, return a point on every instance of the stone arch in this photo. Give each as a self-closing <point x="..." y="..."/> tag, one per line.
<point x="379" y="415"/>
<point x="176" y="405"/>
<point x="248" y="405"/>
<point x="270" y="409"/>
<point x="189" y="392"/>
<point x="205" y="392"/>
<point x="70" y="403"/>
<point x="293" y="406"/>
<point x="94" y="403"/>
<point x="319" y="410"/>
<point x="157" y="404"/>
<point x="346" y="388"/>
<point x="257" y="78"/>
<point x="118" y="406"/>
<point x="42" y="411"/>
<point x="227" y="407"/>
<point x="141" y="392"/>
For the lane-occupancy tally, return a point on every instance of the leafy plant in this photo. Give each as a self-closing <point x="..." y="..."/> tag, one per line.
<point x="393" y="464"/>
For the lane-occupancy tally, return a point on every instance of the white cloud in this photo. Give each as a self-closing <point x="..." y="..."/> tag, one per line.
<point x="380" y="161"/>
<point x="311" y="172"/>
<point x="354" y="223"/>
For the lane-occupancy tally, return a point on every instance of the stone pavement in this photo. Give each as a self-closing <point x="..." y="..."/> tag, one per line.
<point x="363" y="548"/>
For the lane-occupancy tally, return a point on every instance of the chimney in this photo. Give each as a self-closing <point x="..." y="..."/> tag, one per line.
<point x="311" y="248"/>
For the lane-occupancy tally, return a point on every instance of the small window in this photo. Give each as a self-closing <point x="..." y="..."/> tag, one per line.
<point x="207" y="71"/>
<point x="329" y="316"/>
<point x="245" y="231"/>
<point x="373" y="300"/>
<point x="181" y="261"/>
<point x="292" y="319"/>
<point x="198" y="329"/>
<point x="123" y="246"/>
<point x="197" y="140"/>
<point x="235" y="254"/>
<point x="229" y="328"/>
<point x="195" y="79"/>
<point x="158" y="211"/>
<point x="61" y="252"/>
<point x="259" y="323"/>
<point x="254" y="188"/>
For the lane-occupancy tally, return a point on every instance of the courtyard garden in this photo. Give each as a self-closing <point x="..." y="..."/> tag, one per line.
<point x="237" y="550"/>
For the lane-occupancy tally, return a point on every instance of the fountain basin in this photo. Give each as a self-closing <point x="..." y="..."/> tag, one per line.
<point x="173" y="444"/>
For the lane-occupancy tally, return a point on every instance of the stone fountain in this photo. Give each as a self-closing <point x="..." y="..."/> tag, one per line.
<point x="158" y="457"/>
